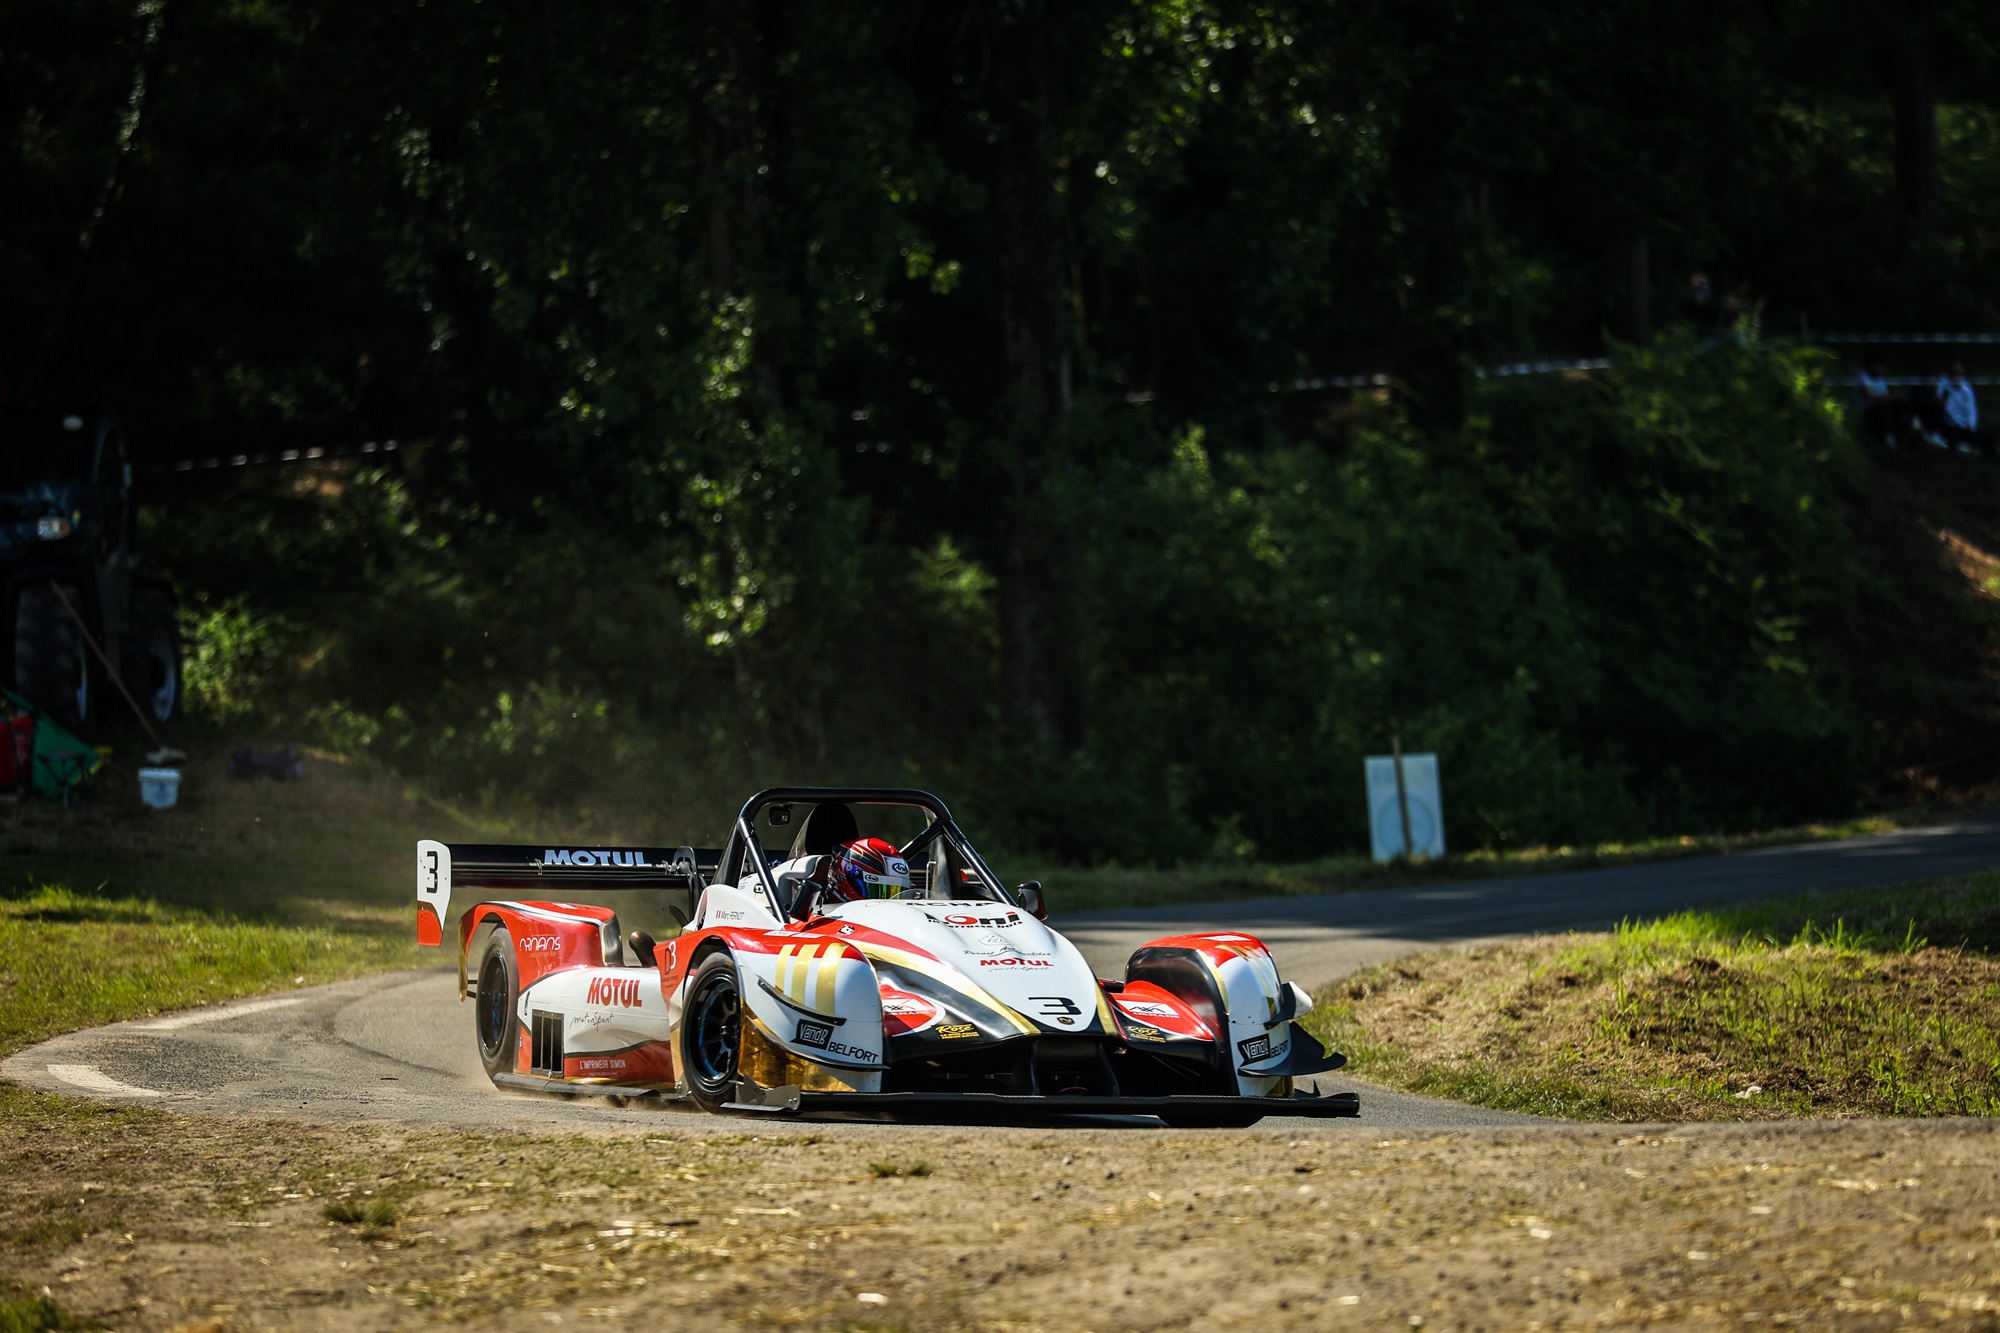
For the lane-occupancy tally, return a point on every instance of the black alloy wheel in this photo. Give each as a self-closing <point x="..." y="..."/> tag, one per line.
<point x="154" y="672"/>
<point x="711" y="1033"/>
<point x="493" y="1019"/>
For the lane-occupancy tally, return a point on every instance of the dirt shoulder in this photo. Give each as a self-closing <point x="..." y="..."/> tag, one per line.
<point x="146" y="1220"/>
<point x="1876" y="1001"/>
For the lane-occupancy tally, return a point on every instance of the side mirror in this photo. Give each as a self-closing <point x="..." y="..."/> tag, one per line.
<point x="1030" y="895"/>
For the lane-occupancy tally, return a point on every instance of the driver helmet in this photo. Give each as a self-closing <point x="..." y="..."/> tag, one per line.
<point x="868" y="868"/>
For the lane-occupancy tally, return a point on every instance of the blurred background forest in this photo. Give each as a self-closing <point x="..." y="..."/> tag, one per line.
<point x="933" y="391"/>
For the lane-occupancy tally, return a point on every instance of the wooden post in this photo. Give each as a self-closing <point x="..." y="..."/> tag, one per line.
<point x="1402" y="798"/>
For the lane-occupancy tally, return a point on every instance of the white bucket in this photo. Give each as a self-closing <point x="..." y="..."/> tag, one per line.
<point x="160" y="787"/>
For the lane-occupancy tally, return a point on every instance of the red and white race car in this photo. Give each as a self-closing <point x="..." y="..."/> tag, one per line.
<point x="922" y="984"/>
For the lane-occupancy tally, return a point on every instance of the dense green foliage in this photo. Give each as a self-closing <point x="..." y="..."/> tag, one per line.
<point x="899" y="391"/>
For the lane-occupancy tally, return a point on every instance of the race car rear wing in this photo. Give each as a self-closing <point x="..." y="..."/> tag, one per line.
<point x="443" y="867"/>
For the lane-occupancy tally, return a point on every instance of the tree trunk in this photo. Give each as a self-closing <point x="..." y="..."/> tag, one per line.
<point x="1913" y="97"/>
<point x="1034" y="355"/>
<point x="1638" y="290"/>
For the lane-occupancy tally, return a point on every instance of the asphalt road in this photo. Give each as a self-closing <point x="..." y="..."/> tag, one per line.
<point x="399" y="1046"/>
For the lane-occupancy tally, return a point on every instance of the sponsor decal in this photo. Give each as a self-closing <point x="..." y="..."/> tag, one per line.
<point x="562" y="857"/>
<point x="614" y="990"/>
<point x="1145" y="1034"/>
<point x="904" y="1004"/>
<point x="612" y="1066"/>
<point x="954" y="1031"/>
<point x="1015" y="962"/>
<point x="820" y="1037"/>
<point x="1147" y="1008"/>
<point x="845" y="930"/>
<point x="966" y="921"/>
<point x="729" y="914"/>
<point x="541" y="943"/>
<point x="1260" y="1048"/>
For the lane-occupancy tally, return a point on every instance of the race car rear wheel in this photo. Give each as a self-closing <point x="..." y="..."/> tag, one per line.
<point x="711" y="1033"/>
<point x="493" y="1020"/>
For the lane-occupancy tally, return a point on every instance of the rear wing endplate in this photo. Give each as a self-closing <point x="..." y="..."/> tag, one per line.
<point x="443" y="867"/>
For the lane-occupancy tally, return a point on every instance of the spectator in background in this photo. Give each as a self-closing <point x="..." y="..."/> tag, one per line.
<point x="1959" y="407"/>
<point x="1700" y="310"/>
<point x="1884" y="414"/>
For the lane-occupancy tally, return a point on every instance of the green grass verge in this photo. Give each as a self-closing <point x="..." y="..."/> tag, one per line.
<point x="70" y="960"/>
<point x="26" y="1311"/>
<point x="109" y="911"/>
<point x="1868" y="1002"/>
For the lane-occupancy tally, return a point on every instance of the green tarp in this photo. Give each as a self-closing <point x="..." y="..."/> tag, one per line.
<point x="60" y="760"/>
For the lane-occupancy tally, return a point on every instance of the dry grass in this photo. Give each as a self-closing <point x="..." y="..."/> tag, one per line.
<point x="1882" y="1002"/>
<point x="196" y="1222"/>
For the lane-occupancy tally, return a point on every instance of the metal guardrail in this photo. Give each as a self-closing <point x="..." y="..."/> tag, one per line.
<point x="268" y="456"/>
<point x="1886" y="339"/>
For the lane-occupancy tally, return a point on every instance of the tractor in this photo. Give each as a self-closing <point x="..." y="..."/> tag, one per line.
<point x="76" y="608"/>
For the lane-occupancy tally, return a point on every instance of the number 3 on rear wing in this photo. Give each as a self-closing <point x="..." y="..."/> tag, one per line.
<point x="442" y="867"/>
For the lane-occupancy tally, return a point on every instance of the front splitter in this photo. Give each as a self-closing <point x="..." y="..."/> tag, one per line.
<point x="1002" y="1105"/>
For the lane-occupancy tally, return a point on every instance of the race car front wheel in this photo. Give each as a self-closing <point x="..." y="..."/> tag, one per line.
<point x="493" y="1013"/>
<point x="711" y="1033"/>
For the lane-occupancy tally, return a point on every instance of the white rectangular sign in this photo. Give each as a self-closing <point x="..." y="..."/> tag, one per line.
<point x="1426" y="805"/>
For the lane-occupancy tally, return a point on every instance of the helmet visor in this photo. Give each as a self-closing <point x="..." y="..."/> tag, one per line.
<point x="894" y="879"/>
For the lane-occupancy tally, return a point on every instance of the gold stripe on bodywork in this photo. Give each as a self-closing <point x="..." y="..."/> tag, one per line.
<point x="829" y="972"/>
<point x="949" y="978"/>
<point x="782" y="974"/>
<point x="1104" y="1010"/>
<point x="802" y="969"/>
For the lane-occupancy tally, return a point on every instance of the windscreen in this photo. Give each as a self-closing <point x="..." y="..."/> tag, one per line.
<point x="39" y="447"/>
<point x="939" y="867"/>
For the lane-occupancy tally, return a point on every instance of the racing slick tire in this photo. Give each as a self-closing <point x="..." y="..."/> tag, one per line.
<point x="710" y="1036"/>
<point x="51" y="666"/>
<point x="1211" y="1119"/>
<point x="153" y="649"/>
<point x="493" y="1021"/>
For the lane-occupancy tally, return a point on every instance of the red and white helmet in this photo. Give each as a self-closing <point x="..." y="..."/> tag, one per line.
<point x="868" y="868"/>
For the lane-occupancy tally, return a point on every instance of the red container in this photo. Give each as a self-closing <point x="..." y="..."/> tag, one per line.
<point x="17" y="748"/>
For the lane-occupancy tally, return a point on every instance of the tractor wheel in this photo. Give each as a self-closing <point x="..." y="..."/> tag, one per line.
<point x="493" y="1019"/>
<point x="51" y="662"/>
<point x="710" y="1036"/>
<point x="153" y="657"/>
